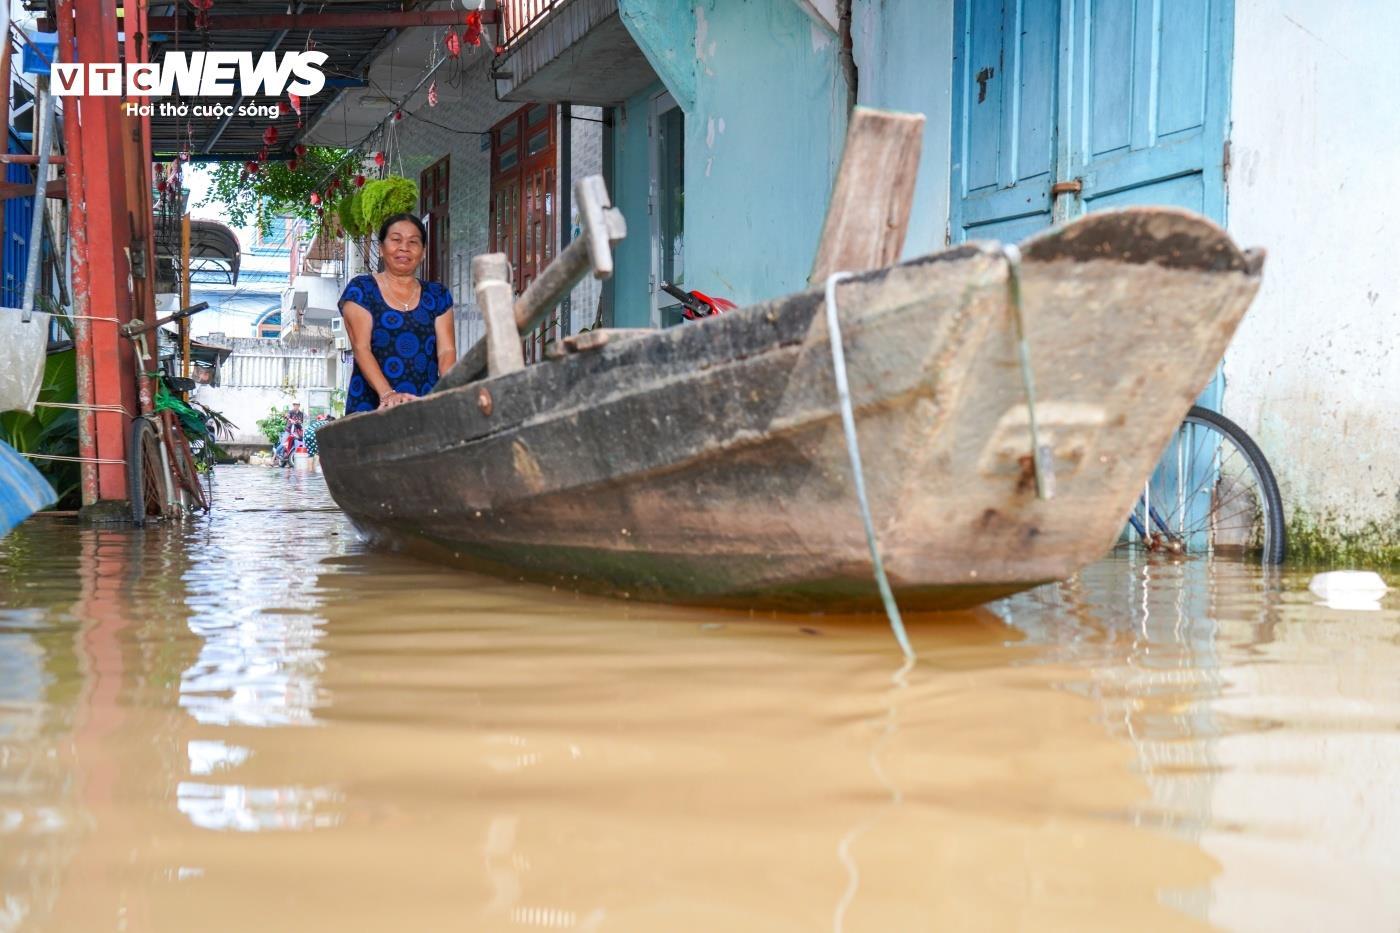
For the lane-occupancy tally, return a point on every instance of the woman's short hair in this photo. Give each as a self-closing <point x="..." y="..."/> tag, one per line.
<point x="396" y="218"/>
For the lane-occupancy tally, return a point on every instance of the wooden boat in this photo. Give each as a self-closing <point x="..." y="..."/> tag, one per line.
<point x="707" y="463"/>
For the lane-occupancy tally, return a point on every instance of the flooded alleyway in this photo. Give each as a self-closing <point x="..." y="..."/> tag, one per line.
<point x="252" y="722"/>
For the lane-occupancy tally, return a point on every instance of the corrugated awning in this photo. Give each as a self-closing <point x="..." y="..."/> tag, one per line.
<point x="350" y="49"/>
<point x="214" y="253"/>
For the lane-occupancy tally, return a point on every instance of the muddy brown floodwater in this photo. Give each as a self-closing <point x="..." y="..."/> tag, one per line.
<point x="253" y="723"/>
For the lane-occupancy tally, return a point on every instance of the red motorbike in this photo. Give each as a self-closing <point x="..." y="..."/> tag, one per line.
<point x="696" y="304"/>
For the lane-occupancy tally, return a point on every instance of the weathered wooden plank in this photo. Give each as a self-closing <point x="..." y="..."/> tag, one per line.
<point x="874" y="193"/>
<point x="491" y="273"/>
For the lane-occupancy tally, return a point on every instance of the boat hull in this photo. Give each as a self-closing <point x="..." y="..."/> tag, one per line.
<point x="707" y="463"/>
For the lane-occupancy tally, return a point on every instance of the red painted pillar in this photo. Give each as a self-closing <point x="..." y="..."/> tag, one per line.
<point x="108" y="228"/>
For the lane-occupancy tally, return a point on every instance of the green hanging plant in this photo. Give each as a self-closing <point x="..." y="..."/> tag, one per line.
<point x="384" y="198"/>
<point x="348" y="210"/>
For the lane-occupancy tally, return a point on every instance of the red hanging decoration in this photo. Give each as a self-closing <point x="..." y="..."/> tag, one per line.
<point x="262" y="154"/>
<point x="379" y="159"/>
<point x="296" y="102"/>
<point x="432" y="94"/>
<point x="471" y="35"/>
<point x="453" y="43"/>
<point x="359" y="181"/>
<point x="282" y="108"/>
<point x="160" y="186"/>
<point x="315" y="199"/>
<point x="398" y="115"/>
<point x="291" y="165"/>
<point x="300" y="150"/>
<point x="201" y="16"/>
<point x="250" y="167"/>
<point x="270" y="135"/>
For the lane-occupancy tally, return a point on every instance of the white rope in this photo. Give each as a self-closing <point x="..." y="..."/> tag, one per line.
<point x="112" y="408"/>
<point x="70" y="459"/>
<point x="848" y="420"/>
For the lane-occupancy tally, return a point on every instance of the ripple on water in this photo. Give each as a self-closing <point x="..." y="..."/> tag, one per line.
<point x="255" y="711"/>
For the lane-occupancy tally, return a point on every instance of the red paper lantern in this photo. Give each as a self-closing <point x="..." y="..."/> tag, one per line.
<point x="270" y="135"/>
<point x="282" y="108"/>
<point x="315" y="199"/>
<point x="300" y="151"/>
<point x="379" y="159"/>
<point x="160" y="186"/>
<point x="453" y="43"/>
<point x="291" y="165"/>
<point x="398" y="115"/>
<point x="295" y="102"/>
<point x="472" y="34"/>
<point x="359" y="181"/>
<point x="250" y="167"/>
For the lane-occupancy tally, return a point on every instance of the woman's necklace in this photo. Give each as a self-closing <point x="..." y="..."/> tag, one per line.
<point x="407" y="303"/>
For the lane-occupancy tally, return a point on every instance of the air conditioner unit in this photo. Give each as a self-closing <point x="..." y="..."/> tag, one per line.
<point x="342" y="341"/>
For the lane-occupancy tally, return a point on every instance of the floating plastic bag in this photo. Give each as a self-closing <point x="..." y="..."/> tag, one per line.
<point x="23" y="489"/>
<point x="22" y="354"/>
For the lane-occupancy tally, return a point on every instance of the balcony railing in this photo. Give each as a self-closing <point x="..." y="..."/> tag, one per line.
<point x="518" y="17"/>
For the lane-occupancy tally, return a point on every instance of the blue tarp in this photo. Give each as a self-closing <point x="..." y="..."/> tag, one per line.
<point x="23" y="489"/>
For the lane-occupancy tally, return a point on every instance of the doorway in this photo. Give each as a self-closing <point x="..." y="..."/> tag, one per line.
<point x="1060" y="108"/>
<point x="523" y="217"/>
<point x="434" y="187"/>
<point x="666" y="206"/>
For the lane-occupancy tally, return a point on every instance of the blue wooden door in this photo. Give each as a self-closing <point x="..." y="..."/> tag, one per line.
<point x="1149" y="105"/>
<point x="1006" y="93"/>
<point x="1066" y="106"/>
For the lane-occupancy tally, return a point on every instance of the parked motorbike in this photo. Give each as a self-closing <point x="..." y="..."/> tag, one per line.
<point x="697" y="304"/>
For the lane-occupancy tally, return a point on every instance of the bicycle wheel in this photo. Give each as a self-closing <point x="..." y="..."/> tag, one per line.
<point x="1213" y="493"/>
<point x="143" y="474"/>
<point x="182" y="458"/>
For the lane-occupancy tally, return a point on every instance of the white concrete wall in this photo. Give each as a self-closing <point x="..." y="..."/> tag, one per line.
<point x="244" y="407"/>
<point x="1314" y="372"/>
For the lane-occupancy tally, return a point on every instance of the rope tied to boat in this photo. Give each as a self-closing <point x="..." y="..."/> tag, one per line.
<point x="1042" y="463"/>
<point x="848" y="421"/>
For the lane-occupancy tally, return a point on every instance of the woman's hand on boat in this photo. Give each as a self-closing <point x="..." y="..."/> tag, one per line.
<point x="395" y="398"/>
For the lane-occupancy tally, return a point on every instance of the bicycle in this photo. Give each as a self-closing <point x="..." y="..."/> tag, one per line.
<point x="157" y="439"/>
<point x="1217" y="495"/>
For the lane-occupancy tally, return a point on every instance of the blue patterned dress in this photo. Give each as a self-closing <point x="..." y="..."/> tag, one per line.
<point x="404" y="343"/>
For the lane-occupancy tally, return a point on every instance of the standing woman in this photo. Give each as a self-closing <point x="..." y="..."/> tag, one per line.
<point x="400" y="326"/>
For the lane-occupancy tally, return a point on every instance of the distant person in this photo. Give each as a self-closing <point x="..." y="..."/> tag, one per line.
<point x="316" y="424"/>
<point x="287" y="445"/>
<point x="296" y="415"/>
<point x="400" y="326"/>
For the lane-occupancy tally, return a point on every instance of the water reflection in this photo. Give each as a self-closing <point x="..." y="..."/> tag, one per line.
<point x="253" y="722"/>
<point x="1267" y="728"/>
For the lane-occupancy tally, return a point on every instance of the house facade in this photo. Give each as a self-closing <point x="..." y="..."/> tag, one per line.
<point x="493" y="175"/>
<point x="719" y="126"/>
